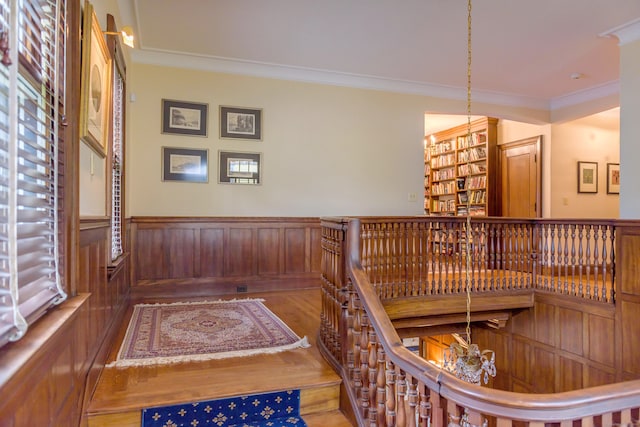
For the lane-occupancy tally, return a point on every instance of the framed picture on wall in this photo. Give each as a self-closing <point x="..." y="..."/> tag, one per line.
<point x="613" y="178"/>
<point x="184" y="118"/>
<point x="185" y="164"/>
<point x="239" y="167"/>
<point x="240" y="123"/>
<point x="587" y="177"/>
<point x="95" y="93"/>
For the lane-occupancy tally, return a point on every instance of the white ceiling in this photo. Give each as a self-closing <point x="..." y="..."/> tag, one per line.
<point x="524" y="52"/>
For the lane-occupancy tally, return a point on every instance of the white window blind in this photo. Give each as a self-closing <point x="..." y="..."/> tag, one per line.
<point x="31" y="103"/>
<point x="116" y="178"/>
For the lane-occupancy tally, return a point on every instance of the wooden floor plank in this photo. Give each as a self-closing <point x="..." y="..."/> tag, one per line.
<point x="133" y="388"/>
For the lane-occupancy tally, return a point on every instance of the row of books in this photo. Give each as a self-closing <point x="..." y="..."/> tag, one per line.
<point x="472" y="168"/>
<point x="448" y="205"/>
<point x="442" y="147"/>
<point x="473" y="210"/>
<point x="472" y="155"/>
<point x="442" y="161"/>
<point x="442" y="188"/>
<point x="442" y="174"/>
<point x="477" y="138"/>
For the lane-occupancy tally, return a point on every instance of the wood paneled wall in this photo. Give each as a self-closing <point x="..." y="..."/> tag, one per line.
<point x="222" y="255"/>
<point x="560" y="344"/>
<point x="48" y="375"/>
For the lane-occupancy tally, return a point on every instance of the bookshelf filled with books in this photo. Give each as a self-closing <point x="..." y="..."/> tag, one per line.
<point x="460" y="170"/>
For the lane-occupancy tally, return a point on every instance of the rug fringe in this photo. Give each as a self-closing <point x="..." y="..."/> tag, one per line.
<point x="198" y="302"/>
<point x="301" y="343"/>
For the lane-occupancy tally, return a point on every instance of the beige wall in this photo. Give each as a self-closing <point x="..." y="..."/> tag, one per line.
<point x="326" y="150"/>
<point x="581" y="141"/>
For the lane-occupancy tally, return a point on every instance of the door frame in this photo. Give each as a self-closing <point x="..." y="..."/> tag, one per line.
<point x="535" y="141"/>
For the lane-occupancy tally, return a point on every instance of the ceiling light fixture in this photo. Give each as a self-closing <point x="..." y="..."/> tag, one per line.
<point x="125" y="32"/>
<point x="463" y="359"/>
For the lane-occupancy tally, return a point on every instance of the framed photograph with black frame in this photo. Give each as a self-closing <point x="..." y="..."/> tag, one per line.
<point x="240" y="123"/>
<point x="587" y="177"/>
<point x="613" y="178"/>
<point x="239" y="167"/>
<point x="184" y="118"/>
<point x="185" y="164"/>
<point x="95" y="92"/>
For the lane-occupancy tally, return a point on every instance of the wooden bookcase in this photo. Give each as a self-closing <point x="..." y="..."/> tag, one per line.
<point x="457" y="170"/>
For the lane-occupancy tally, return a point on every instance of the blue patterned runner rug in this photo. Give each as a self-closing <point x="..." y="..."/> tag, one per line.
<point x="277" y="409"/>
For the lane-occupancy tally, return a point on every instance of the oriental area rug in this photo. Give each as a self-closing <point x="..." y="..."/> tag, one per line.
<point x="206" y="330"/>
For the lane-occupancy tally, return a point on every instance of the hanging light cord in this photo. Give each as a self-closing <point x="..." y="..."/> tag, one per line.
<point x="468" y="227"/>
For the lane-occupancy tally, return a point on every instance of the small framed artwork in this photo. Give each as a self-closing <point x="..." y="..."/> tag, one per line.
<point x="184" y="118"/>
<point x="240" y="123"/>
<point x="587" y="177"/>
<point x="95" y="94"/>
<point x="239" y="168"/>
<point x="185" y="164"/>
<point x="613" y="178"/>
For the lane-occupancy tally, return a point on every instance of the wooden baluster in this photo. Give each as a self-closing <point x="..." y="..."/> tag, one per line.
<point x="589" y="260"/>
<point x="517" y="251"/>
<point x="492" y="256"/>
<point x="503" y="255"/>
<point x="450" y="241"/>
<point x="422" y="257"/>
<point x="425" y="407"/>
<point x="580" y="260"/>
<point x="390" y="404"/>
<point x="510" y="256"/>
<point x="460" y="259"/>
<point x="566" y="260"/>
<point x="433" y="245"/>
<point x="437" y="411"/>
<point x="402" y="392"/>
<point x="357" y="333"/>
<point x="545" y="257"/>
<point x="603" y="292"/>
<point x="413" y="403"/>
<point x="596" y="262"/>
<point x="373" y="377"/>
<point x="612" y="263"/>
<point x="552" y="259"/>
<point x="364" y="365"/>
<point x="381" y="398"/>
<point x="536" y="248"/>
<point x="442" y="241"/>
<point x="526" y="260"/>
<point x="573" y="259"/>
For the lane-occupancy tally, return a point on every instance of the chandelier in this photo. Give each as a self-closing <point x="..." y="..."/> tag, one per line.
<point x="462" y="358"/>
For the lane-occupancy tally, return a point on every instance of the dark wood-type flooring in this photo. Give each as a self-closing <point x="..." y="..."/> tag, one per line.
<point x="122" y="392"/>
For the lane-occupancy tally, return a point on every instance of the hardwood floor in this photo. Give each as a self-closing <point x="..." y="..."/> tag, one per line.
<point x="122" y="392"/>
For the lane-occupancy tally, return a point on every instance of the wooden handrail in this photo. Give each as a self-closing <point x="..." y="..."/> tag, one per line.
<point x="374" y="347"/>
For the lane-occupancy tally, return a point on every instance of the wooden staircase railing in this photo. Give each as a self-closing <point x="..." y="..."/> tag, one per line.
<point x="369" y="261"/>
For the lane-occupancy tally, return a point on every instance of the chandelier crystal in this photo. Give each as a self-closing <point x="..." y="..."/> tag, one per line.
<point x="468" y="363"/>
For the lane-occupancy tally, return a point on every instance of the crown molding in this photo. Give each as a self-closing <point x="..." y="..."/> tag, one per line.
<point x="334" y="78"/>
<point x="585" y="96"/>
<point x="625" y="33"/>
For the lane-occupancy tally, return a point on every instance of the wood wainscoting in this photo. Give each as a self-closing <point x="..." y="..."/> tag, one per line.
<point x="222" y="255"/>
<point x="47" y="376"/>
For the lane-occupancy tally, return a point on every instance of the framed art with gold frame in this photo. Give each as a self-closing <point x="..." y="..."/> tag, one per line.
<point x="95" y="95"/>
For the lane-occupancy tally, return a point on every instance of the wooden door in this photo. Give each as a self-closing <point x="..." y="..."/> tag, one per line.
<point x="521" y="178"/>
